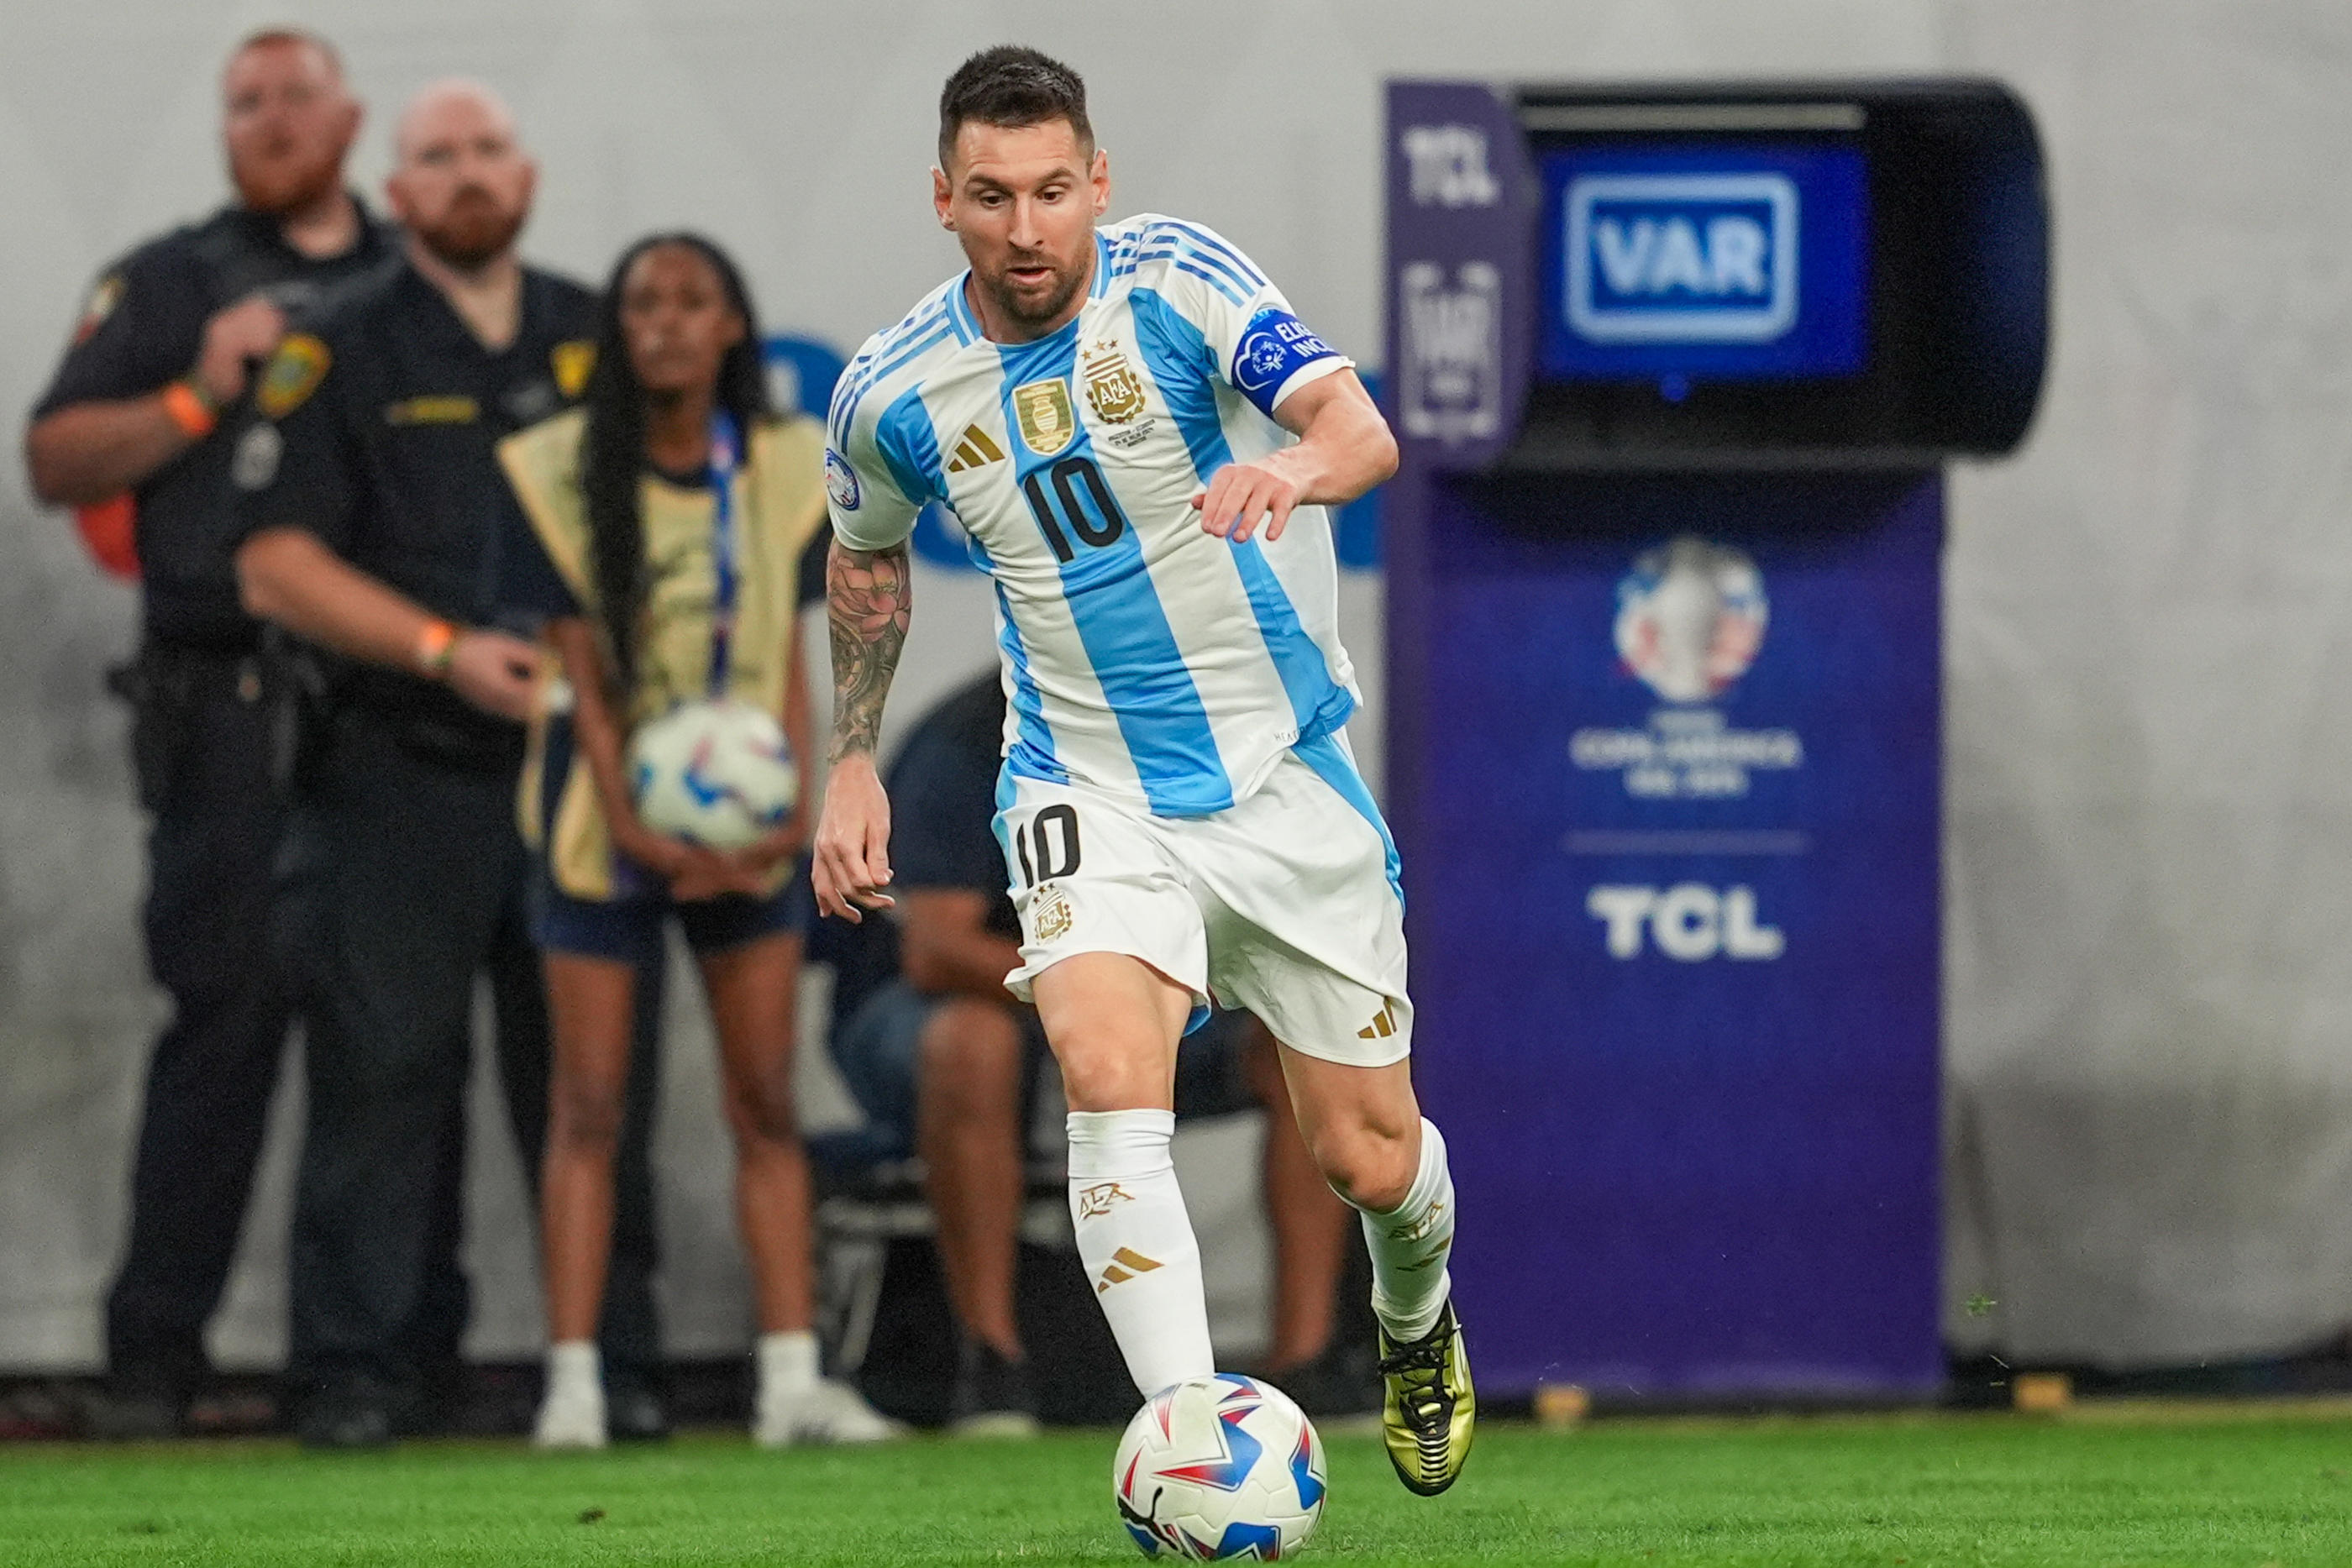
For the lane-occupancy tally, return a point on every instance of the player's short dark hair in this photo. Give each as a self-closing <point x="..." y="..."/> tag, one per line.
<point x="295" y="38"/>
<point x="1011" y="86"/>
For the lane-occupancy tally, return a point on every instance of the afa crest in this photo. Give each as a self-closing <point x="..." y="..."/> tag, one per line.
<point x="294" y="372"/>
<point x="572" y="362"/>
<point x="1050" y="913"/>
<point x="1113" y="388"/>
<point x="1047" y="422"/>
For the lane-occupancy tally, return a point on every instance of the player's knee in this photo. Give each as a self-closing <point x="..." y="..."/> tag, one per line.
<point x="967" y="1059"/>
<point x="1104" y="1076"/>
<point x="1368" y="1163"/>
<point x="760" y="1105"/>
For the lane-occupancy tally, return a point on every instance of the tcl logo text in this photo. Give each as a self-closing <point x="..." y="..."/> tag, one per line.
<point x="1689" y="922"/>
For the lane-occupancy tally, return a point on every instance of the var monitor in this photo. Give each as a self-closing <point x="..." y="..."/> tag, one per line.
<point x="1817" y="273"/>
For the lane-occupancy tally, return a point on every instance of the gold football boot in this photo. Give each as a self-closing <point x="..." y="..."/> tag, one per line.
<point x="1431" y="1411"/>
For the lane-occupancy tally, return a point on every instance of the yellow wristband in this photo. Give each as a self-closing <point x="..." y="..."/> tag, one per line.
<point x="189" y="410"/>
<point x="435" y="645"/>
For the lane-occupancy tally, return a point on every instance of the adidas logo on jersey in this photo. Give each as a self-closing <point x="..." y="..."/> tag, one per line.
<point x="1125" y="1264"/>
<point x="975" y="450"/>
<point x="1384" y="1024"/>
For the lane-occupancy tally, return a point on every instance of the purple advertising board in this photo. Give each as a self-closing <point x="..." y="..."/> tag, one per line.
<point x="1670" y="847"/>
<point x="1664" y="767"/>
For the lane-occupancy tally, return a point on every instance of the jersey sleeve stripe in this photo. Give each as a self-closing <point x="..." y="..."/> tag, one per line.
<point x="1228" y="282"/>
<point x="915" y="350"/>
<point x="1186" y="263"/>
<point x="1237" y="295"/>
<point x="846" y="416"/>
<point x="1208" y="245"/>
<point x="907" y="443"/>
<point x="870" y="363"/>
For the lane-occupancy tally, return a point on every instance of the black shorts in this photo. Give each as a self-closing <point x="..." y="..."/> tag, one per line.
<point x="629" y="929"/>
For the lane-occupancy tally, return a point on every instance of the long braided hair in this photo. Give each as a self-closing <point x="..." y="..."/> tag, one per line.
<point x="613" y="448"/>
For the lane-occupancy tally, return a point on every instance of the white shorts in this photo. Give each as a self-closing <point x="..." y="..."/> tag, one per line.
<point x="1285" y="904"/>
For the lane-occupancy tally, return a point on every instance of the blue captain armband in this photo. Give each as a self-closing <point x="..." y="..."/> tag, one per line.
<point x="1275" y="347"/>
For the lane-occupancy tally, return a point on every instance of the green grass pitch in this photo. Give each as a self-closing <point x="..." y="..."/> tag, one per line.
<point x="2191" y="1487"/>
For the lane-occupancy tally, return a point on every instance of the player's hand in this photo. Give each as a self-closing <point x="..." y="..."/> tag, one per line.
<point x="496" y="672"/>
<point x="707" y="874"/>
<point x="853" y="841"/>
<point x="1242" y="495"/>
<point x="236" y="337"/>
<point x="664" y="856"/>
<point x="783" y="843"/>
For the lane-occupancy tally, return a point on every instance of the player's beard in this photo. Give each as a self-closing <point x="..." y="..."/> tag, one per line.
<point x="472" y="230"/>
<point x="1036" y="309"/>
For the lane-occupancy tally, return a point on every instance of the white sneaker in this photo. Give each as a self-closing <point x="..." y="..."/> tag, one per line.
<point x="825" y="1411"/>
<point x="570" y="1416"/>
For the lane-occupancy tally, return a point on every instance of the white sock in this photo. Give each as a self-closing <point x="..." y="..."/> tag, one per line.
<point x="1137" y="1244"/>
<point x="787" y="1360"/>
<point x="1409" y="1244"/>
<point x="573" y="1364"/>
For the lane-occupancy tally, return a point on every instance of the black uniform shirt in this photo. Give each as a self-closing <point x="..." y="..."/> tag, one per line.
<point x="375" y="432"/>
<point x="143" y="329"/>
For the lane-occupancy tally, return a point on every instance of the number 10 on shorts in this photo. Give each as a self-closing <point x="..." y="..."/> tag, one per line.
<point x="1048" y="846"/>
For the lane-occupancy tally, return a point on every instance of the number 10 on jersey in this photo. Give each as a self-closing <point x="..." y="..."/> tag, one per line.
<point x="1073" y="497"/>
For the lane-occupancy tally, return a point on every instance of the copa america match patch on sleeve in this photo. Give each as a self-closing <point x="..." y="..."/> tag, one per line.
<point x="1275" y="347"/>
<point x="840" y="481"/>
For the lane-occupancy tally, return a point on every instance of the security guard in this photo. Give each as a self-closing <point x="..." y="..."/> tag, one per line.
<point x="378" y="527"/>
<point x="127" y="431"/>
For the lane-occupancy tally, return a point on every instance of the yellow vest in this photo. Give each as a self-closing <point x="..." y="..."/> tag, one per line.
<point x="779" y="504"/>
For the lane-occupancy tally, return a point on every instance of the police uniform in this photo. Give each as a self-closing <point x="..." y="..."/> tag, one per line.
<point x="206" y="734"/>
<point x="407" y="875"/>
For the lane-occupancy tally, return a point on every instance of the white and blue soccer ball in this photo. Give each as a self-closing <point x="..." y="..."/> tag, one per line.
<point x="1220" y="1467"/>
<point x="716" y="773"/>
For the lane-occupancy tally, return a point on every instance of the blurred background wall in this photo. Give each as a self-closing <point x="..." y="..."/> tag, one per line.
<point x="2149" y="818"/>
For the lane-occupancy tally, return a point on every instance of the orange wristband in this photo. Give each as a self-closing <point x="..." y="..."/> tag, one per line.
<point x="189" y="411"/>
<point x="434" y="645"/>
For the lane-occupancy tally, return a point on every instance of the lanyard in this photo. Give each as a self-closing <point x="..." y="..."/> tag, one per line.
<point x="726" y="457"/>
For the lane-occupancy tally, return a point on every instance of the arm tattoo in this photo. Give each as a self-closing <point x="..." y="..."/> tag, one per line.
<point x="868" y="596"/>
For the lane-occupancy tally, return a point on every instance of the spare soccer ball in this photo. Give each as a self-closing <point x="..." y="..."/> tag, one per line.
<point x="716" y="773"/>
<point x="1220" y="1467"/>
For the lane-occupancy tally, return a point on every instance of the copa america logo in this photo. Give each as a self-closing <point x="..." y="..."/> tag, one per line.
<point x="1691" y="618"/>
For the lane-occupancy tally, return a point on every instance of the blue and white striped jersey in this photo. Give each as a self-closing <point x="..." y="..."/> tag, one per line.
<point x="1142" y="655"/>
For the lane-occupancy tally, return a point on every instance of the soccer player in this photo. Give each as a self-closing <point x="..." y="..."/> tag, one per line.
<point x="1140" y="438"/>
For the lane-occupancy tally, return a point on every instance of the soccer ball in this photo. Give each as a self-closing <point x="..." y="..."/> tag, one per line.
<point x="1220" y="1467"/>
<point x="716" y="773"/>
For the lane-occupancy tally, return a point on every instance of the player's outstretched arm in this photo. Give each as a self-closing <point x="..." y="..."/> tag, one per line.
<point x="868" y="600"/>
<point x="1344" y="449"/>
